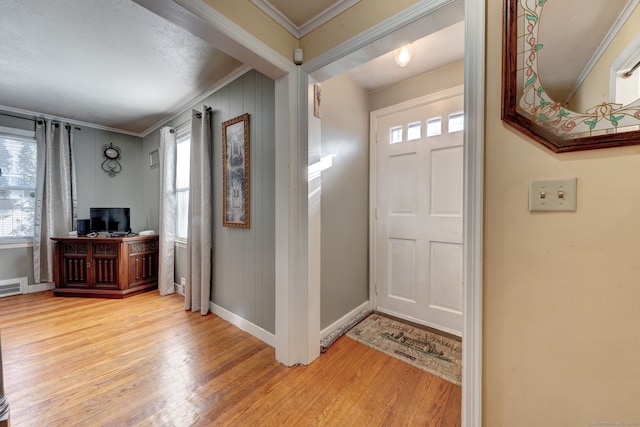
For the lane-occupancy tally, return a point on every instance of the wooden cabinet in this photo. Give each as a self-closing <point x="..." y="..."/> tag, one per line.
<point x="108" y="267"/>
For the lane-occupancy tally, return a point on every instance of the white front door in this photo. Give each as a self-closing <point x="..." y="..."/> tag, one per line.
<point x="418" y="195"/>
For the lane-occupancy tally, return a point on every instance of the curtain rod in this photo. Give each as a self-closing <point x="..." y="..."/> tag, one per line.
<point x="630" y="72"/>
<point x="199" y="114"/>
<point x="35" y="120"/>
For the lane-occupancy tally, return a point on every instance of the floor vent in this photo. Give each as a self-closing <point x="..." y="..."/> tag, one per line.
<point x="13" y="286"/>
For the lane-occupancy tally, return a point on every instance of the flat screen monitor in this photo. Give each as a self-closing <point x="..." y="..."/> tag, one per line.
<point x="110" y="220"/>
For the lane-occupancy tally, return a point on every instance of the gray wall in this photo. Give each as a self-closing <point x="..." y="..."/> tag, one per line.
<point x="345" y="199"/>
<point x="244" y="259"/>
<point x="243" y="279"/>
<point x="95" y="187"/>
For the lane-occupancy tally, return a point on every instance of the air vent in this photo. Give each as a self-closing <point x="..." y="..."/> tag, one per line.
<point x="13" y="286"/>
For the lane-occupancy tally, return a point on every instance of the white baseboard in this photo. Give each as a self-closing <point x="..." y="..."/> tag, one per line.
<point x="344" y="319"/>
<point x="263" y="335"/>
<point x="179" y="288"/>
<point x="40" y="287"/>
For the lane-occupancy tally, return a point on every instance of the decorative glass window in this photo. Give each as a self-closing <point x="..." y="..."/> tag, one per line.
<point x="414" y="131"/>
<point x="434" y="126"/>
<point x="18" y="157"/>
<point x="456" y="122"/>
<point x="183" y="154"/>
<point x="395" y="135"/>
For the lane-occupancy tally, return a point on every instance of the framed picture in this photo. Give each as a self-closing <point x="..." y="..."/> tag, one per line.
<point x="317" y="98"/>
<point x="235" y="172"/>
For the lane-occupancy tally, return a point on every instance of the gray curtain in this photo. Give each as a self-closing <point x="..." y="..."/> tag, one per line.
<point x="56" y="200"/>
<point x="167" y="231"/>
<point x="198" y="277"/>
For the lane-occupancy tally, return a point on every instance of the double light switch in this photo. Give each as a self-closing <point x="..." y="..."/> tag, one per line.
<point x="553" y="195"/>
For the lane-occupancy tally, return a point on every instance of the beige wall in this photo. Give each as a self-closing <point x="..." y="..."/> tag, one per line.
<point x="596" y="87"/>
<point x="352" y="22"/>
<point x="257" y="23"/>
<point x="425" y="84"/>
<point x="345" y="199"/>
<point x="561" y="290"/>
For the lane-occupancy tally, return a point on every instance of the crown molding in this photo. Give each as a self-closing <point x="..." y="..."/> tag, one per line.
<point x="313" y="23"/>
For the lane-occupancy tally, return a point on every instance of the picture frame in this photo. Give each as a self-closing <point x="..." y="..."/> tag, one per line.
<point x="235" y="172"/>
<point x="317" y="100"/>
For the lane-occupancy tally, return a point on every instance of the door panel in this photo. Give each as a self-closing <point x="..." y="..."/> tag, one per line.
<point x="418" y="232"/>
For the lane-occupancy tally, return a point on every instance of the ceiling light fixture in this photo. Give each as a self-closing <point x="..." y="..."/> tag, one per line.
<point x="403" y="54"/>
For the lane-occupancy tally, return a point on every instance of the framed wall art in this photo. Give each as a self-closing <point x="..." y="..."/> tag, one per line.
<point x="235" y="172"/>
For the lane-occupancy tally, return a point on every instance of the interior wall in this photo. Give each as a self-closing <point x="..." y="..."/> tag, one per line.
<point x="244" y="267"/>
<point x="560" y="329"/>
<point x="345" y="199"/>
<point x="253" y="20"/>
<point x="428" y="83"/>
<point x="243" y="280"/>
<point x="355" y="20"/>
<point x="95" y="187"/>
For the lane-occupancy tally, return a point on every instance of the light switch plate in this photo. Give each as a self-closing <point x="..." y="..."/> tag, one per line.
<point x="553" y="195"/>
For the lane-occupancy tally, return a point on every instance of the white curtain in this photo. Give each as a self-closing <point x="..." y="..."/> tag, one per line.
<point x="56" y="200"/>
<point x="198" y="277"/>
<point x="167" y="231"/>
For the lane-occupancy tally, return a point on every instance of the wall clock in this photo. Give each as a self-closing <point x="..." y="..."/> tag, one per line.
<point x="111" y="165"/>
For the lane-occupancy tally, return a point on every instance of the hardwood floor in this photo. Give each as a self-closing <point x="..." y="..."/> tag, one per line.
<point x="144" y="361"/>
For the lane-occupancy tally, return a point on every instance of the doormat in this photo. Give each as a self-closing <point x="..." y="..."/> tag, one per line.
<point x="436" y="354"/>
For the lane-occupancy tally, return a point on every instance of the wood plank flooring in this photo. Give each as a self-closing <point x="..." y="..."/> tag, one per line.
<point x="144" y="361"/>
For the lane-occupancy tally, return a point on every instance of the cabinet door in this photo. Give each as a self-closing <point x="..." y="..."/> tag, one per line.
<point x="143" y="262"/>
<point x="76" y="262"/>
<point x="105" y="265"/>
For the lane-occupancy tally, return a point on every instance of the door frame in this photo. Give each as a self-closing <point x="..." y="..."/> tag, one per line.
<point x="373" y="176"/>
<point x="297" y="335"/>
<point x="344" y="57"/>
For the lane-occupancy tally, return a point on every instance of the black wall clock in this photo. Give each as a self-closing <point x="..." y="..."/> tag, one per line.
<point x="111" y="165"/>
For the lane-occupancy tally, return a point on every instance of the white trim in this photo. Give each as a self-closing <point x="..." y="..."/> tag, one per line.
<point x="344" y="319"/>
<point x="16" y="244"/>
<point x="474" y="99"/>
<point x="40" y="287"/>
<point x="8" y="131"/>
<point x="324" y="67"/>
<point x="417" y="102"/>
<point x="243" y="324"/>
<point x="630" y="54"/>
<point x="613" y="32"/>
<point x="37" y="115"/>
<point x="300" y="31"/>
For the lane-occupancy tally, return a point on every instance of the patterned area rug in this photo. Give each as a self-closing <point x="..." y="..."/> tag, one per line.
<point x="436" y="354"/>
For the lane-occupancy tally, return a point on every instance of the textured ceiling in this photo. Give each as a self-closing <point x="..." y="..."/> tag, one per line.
<point x="109" y="63"/>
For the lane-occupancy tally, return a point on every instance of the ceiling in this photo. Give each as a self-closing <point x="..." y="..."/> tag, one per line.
<point x="116" y="65"/>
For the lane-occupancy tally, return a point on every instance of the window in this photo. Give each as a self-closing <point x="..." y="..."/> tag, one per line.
<point x="18" y="155"/>
<point x="414" y="131"/>
<point x="456" y="122"/>
<point x="434" y="127"/>
<point x="395" y="135"/>
<point x="182" y="183"/>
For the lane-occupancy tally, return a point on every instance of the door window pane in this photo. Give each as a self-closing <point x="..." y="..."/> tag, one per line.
<point x="434" y="126"/>
<point x="456" y="122"/>
<point x="414" y="131"/>
<point x="395" y="135"/>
